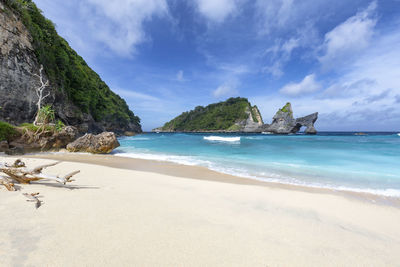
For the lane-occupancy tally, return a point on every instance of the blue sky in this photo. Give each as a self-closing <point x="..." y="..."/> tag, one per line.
<point x="340" y="58"/>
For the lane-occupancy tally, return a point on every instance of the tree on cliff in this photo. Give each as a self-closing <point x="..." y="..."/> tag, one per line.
<point x="39" y="92"/>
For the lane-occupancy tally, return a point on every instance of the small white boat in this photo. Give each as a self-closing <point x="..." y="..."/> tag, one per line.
<point x="267" y="133"/>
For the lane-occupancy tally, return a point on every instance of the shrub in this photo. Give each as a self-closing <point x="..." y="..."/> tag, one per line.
<point x="59" y="125"/>
<point x="46" y="115"/>
<point x="7" y="131"/>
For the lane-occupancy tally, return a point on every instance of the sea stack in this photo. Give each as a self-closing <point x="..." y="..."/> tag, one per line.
<point x="284" y="123"/>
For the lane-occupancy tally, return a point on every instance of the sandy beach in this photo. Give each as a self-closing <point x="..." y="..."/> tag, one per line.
<point x="127" y="212"/>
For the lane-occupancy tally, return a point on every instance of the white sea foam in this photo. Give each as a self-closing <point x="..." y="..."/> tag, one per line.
<point x="265" y="177"/>
<point x="184" y="160"/>
<point x="398" y="134"/>
<point x="222" y="139"/>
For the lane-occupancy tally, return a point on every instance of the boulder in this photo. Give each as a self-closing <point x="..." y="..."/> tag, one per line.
<point x="3" y="146"/>
<point x="97" y="144"/>
<point x="128" y="133"/>
<point x="15" y="151"/>
<point x="64" y="137"/>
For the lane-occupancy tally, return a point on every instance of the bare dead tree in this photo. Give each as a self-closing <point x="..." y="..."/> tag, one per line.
<point x="40" y="93"/>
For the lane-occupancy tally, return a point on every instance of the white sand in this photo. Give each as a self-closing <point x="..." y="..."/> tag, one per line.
<point x="116" y="217"/>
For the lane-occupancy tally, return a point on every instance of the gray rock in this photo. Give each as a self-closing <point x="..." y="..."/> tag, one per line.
<point x="308" y="122"/>
<point x="4" y="146"/>
<point x="284" y="123"/>
<point x="15" y="151"/>
<point x="48" y="141"/>
<point x="97" y="144"/>
<point x="128" y="133"/>
<point x="250" y="124"/>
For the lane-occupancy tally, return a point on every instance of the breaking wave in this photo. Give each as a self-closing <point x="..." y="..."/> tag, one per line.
<point x="222" y="139"/>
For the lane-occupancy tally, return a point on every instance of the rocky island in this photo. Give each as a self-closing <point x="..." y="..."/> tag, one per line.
<point x="238" y="115"/>
<point x="232" y="115"/>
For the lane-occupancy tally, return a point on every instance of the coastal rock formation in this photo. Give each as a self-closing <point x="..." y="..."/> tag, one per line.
<point x="253" y="122"/>
<point x="307" y="121"/>
<point x="232" y="115"/>
<point x="43" y="141"/>
<point x="284" y="123"/>
<point x="4" y="146"/>
<point x="77" y="94"/>
<point x="237" y="115"/>
<point x="96" y="144"/>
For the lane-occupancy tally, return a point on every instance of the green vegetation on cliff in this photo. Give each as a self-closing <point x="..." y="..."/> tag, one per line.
<point x="7" y="131"/>
<point x="68" y="71"/>
<point x="286" y="108"/>
<point x="220" y="116"/>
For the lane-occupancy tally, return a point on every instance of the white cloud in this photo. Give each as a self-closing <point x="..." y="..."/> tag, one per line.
<point x="363" y="98"/>
<point x="136" y="95"/>
<point x="119" y="24"/>
<point x="225" y="90"/>
<point x="348" y="38"/>
<point x="306" y="86"/>
<point x="274" y="13"/>
<point x="280" y="54"/>
<point x="216" y="10"/>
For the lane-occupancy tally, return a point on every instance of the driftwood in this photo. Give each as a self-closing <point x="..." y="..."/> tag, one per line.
<point x="23" y="175"/>
<point x="19" y="173"/>
<point x="7" y="183"/>
<point x="33" y="197"/>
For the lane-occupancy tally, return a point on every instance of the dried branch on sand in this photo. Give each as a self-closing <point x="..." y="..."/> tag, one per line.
<point x="7" y="183"/>
<point x="19" y="173"/>
<point x="23" y="175"/>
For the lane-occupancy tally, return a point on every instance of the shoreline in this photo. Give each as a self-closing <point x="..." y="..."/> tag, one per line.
<point x="203" y="173"/>
<point x="189" y="217"/>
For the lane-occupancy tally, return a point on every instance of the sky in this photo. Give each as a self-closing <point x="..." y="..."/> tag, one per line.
<point x="340" y="58"/>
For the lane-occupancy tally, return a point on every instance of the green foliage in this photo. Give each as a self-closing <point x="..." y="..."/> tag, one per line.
<point x="253" y="113"/>
<point x="33" y="128"/>
<point x="29" y="126"/>
<point x="69" y="72"/>
<point x="219" y="116"/>
<point x="286" y="108"/>
<point x="7" y="131"/>
<point x="46" y="115"/>
<point x="234" y="128"/>
<point x="59" y="125"/>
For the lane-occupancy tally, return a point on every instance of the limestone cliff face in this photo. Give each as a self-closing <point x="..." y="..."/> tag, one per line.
<point x="17" y="61"/>
<point x="18" y="64"/>
<point x="253" y="122"/>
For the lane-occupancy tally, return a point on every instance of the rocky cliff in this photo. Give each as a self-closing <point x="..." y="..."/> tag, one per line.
<point x="284" y="123"/>
<point x="78" y="95"/>
<point x="232" y="115"/>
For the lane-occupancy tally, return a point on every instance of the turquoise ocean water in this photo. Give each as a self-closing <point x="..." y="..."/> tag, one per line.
<point x="343" y="161"/>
